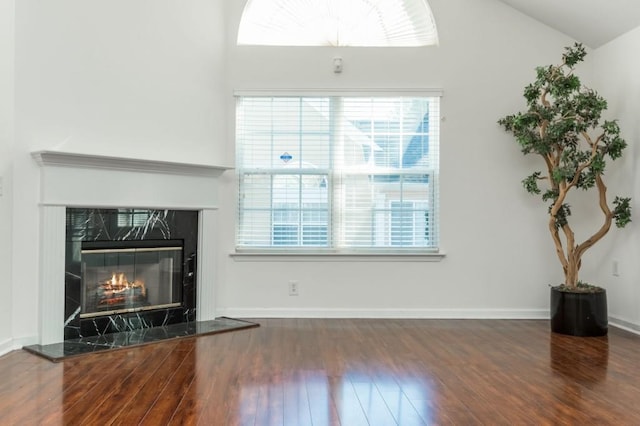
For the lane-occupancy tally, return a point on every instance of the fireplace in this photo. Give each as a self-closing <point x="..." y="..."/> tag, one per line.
<point x="130" y="276"/>
<point x="122" y="199"/>
<point x="129" y="268"/>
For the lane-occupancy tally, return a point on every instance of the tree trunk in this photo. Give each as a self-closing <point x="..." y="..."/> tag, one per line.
<point x="571" y="273"/>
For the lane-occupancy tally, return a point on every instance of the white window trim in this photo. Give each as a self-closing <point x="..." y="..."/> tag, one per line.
<point x="262" y="255"/>
<point x="426" y="92"/>
<point x="302" y="254"/>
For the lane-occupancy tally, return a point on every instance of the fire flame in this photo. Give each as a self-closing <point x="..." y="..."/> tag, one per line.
<point x="116" y="289"/>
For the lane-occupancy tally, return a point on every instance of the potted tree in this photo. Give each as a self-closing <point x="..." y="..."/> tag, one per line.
<point x="563" y="125"/>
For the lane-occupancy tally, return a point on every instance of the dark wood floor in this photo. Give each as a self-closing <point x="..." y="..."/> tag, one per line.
<point x="330" y="372"/>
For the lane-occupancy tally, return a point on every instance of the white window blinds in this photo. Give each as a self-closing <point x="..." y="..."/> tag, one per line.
<point x="337" y="173"/>
<point x="337" y="23"/>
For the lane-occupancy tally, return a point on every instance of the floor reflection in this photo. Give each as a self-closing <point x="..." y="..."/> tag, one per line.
<point x="581" y="359"/>
<point x="313" y="397"/>
<point x="581" y="363"/>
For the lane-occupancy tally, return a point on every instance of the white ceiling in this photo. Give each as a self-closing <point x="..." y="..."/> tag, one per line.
<point x="591" y="22"/>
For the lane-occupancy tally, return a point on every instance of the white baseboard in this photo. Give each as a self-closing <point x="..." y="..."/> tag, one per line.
<point x="9" y="345"/>
<point x="6" y="346"/>
<point x="536" y="314"/>
<point x="624" y="324"/>
<point x="384" y="313"/>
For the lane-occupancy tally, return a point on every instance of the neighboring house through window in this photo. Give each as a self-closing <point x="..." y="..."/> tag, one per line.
<point x="338" y="172"/>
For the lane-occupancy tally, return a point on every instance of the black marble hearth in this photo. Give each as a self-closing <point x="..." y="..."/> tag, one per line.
<point x="123" y="227"/>
<point x="127" y="339"/>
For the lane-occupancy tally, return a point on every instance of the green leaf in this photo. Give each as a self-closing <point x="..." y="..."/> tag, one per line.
<point x="574" y="54"/>
<point x="551" y="194"/>
<point x="530" y="183"/>
<point x="622" y="211"/>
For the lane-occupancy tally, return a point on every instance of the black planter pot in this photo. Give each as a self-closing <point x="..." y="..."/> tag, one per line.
<point x="579" y="314"/>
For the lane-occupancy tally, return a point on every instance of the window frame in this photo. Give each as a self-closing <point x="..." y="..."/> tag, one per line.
<point x="314" y="252"/>
<point x="399" y="23"/>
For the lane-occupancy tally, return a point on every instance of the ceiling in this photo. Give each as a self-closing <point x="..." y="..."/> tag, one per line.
<point x="591" y="22"/>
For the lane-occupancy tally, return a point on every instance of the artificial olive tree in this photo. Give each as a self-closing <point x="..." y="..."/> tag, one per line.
<point x="563" y="125"/>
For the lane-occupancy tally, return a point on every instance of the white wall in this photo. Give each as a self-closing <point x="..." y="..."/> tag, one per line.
<point x="616" y="71"/>
<point x="125" y="78"/>
<point x="154" y="79"/>
<point x="6" y="145"/>
<point x="500" y="259"/>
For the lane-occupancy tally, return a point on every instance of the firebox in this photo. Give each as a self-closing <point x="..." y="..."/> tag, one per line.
<point x="130" y="276"/>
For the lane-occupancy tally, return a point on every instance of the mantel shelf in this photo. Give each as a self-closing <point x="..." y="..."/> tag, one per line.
<point x="92" y="161"/>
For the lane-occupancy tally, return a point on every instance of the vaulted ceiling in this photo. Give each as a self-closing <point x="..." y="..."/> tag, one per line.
<point x="591" y="22"/>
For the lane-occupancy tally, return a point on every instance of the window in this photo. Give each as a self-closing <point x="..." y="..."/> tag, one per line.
<point x="389" y="23"/>
<point x="337" y="173"/>
<point x="408" y="223"/>
<point x="133" y="217"/>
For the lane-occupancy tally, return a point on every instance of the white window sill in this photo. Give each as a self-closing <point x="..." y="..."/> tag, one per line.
<point x="319" y="256"/>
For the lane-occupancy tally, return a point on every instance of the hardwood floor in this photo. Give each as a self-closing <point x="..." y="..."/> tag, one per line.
<point x="338" y="371"/>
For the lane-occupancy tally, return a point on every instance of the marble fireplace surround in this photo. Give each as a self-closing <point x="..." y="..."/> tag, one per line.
<point x="96" y="181"/>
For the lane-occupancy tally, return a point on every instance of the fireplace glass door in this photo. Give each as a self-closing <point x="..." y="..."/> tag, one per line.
<point x="130" y="276"/>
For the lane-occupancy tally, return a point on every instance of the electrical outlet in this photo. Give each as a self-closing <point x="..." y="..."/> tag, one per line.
<point x="615" y="268"/>
<point x="293" y="288"/>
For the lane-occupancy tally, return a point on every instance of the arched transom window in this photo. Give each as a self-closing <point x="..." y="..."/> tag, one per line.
<point x="379" y="23"/>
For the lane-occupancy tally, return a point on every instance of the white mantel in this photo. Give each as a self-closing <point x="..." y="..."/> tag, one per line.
<point x="92" y="161"/>
<point x="87" y="180"/>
